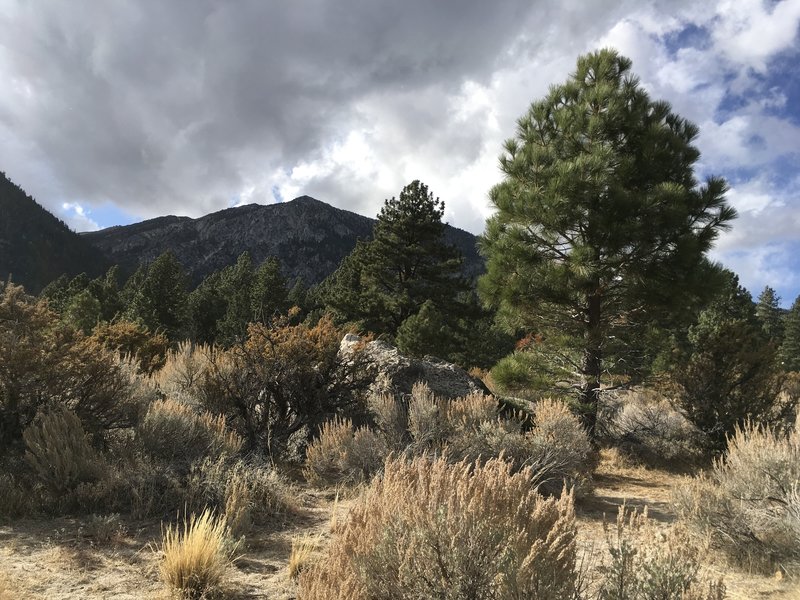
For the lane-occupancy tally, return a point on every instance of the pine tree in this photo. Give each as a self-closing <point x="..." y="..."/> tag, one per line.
<point x="601" y="227"/>
<point x="157" y="296"/>
<point x="206" y="308"/>
<point x="727" y="373"/>
<point x="769" y="314"/>
<point x="269" y="296"/>
<point x="386" y="280"/>
<point x="237" y="289"/>
<point x="790" y="349"/>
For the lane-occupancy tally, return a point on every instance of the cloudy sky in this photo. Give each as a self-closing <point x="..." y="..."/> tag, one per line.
<point x="113" y="111"/>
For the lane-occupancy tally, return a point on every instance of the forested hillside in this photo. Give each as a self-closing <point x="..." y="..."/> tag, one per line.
<point x="35" y="246"/>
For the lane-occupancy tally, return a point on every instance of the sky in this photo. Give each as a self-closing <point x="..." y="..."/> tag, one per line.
<point x="112" y="112"/>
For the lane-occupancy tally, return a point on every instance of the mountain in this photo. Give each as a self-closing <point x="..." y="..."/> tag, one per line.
<point x="309" y="237"/>
<point x="35" y="246"/>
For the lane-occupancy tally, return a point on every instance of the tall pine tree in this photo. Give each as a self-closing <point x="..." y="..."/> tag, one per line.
<point x="388" y="279"/>
<point x="600" y="225"/>
<point x="790" y="349"/>
<point x="769" y="314"/>
<point x="157" y="296"/>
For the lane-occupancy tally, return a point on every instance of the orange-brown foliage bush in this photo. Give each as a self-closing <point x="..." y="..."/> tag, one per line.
<point x="131" y="339"/>
<point x="285" y="379"/>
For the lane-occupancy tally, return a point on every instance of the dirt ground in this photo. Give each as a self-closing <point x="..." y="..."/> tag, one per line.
<point x="57" y="559"/>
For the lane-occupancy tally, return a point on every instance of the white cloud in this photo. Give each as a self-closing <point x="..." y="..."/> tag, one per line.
<point x="165" y="108"/>
<point x="77" y="217"/>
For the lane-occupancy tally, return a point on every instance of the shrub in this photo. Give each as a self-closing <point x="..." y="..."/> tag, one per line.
<point x="183" y="371"/>
<point x="647" y="563"/>
<point x="343" y="453"/>
<point x="43" y="361"/>
<point x="283" y="379"/>
<point x="59" y="452"/>
<point x="391" y="417"/>
<point x="562" y="452"/>
<point x="174" y="432"/>
<point x="748" y="502"/>
<point x="245" y="493"/>
<point x="557" y="447"/>
<point x="430" y="529"/>
<point x="134" y="340"/>
<point x="103" y="529"/>
<point x="647" y="426"/>
<point x="197" y="555"/>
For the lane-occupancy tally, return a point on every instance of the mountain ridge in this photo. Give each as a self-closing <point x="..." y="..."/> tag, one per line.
<point x="308" y="236"/>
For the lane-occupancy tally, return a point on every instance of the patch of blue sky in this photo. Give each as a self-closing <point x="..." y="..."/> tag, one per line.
<point x="691" y="36"/>
<point x="108" y="214"/>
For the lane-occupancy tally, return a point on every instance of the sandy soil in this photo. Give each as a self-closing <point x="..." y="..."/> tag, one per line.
<point x="56" y="559"/>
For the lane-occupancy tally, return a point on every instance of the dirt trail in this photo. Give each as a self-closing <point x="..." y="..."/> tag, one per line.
<point x="640" y="487"/>
<point x="55" y="560"/>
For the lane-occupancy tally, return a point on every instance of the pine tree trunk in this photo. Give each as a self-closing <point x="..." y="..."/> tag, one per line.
<point x="592" y="361"/>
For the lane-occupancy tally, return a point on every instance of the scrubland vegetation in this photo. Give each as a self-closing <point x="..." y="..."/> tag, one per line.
<point x="211" y="428"/>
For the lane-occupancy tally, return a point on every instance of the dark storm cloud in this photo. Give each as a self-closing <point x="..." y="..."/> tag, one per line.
<point x="169" y="106"/>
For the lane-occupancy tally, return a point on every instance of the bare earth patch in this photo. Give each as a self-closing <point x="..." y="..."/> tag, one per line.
<point x="640" y="487"/>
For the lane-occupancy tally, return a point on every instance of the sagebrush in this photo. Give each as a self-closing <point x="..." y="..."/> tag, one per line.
<point x="431" y="529"/>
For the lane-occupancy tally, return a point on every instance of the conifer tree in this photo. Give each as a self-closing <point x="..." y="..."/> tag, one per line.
<point x="600" y="225"/>
<point x="237" y="288"/>
<point x="269" y="296"/>
<point x="158" y="296"/>
<point x="790" y="349"/>
<point x="206" y="308"/>
<point x="769" y="314"/>
<point x="727" y="374"/>
<point x="386" y="280"/>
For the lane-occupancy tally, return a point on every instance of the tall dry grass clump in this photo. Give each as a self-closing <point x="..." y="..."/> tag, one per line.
<point x="196" y="555"/>
<point x="182" y="374"/>
<point x="431" y="529"/>
<point x="343" y="453"/>
<point x="175" y="432"/>
<point x="59" y="451"/>
<point x="748" y="503"/>
<point x="246" y="493"/>
<point x="8" y="590"/>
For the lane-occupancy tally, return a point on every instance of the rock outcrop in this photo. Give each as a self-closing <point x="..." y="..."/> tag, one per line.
<point x="396" y="374"/>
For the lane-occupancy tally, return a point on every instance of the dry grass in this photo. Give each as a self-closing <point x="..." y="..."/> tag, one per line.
<point x="344" y="454"/>
<point x="7" y="588"/>
<point x="197" y="555"/>
<point x="748" y="502"/>
<point x="304" y="549"/>
<point x="430" y="529"/>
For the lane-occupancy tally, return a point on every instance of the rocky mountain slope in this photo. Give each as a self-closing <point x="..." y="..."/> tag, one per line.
<point x="35" y="246"/>
<point x="309" y="237"/>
